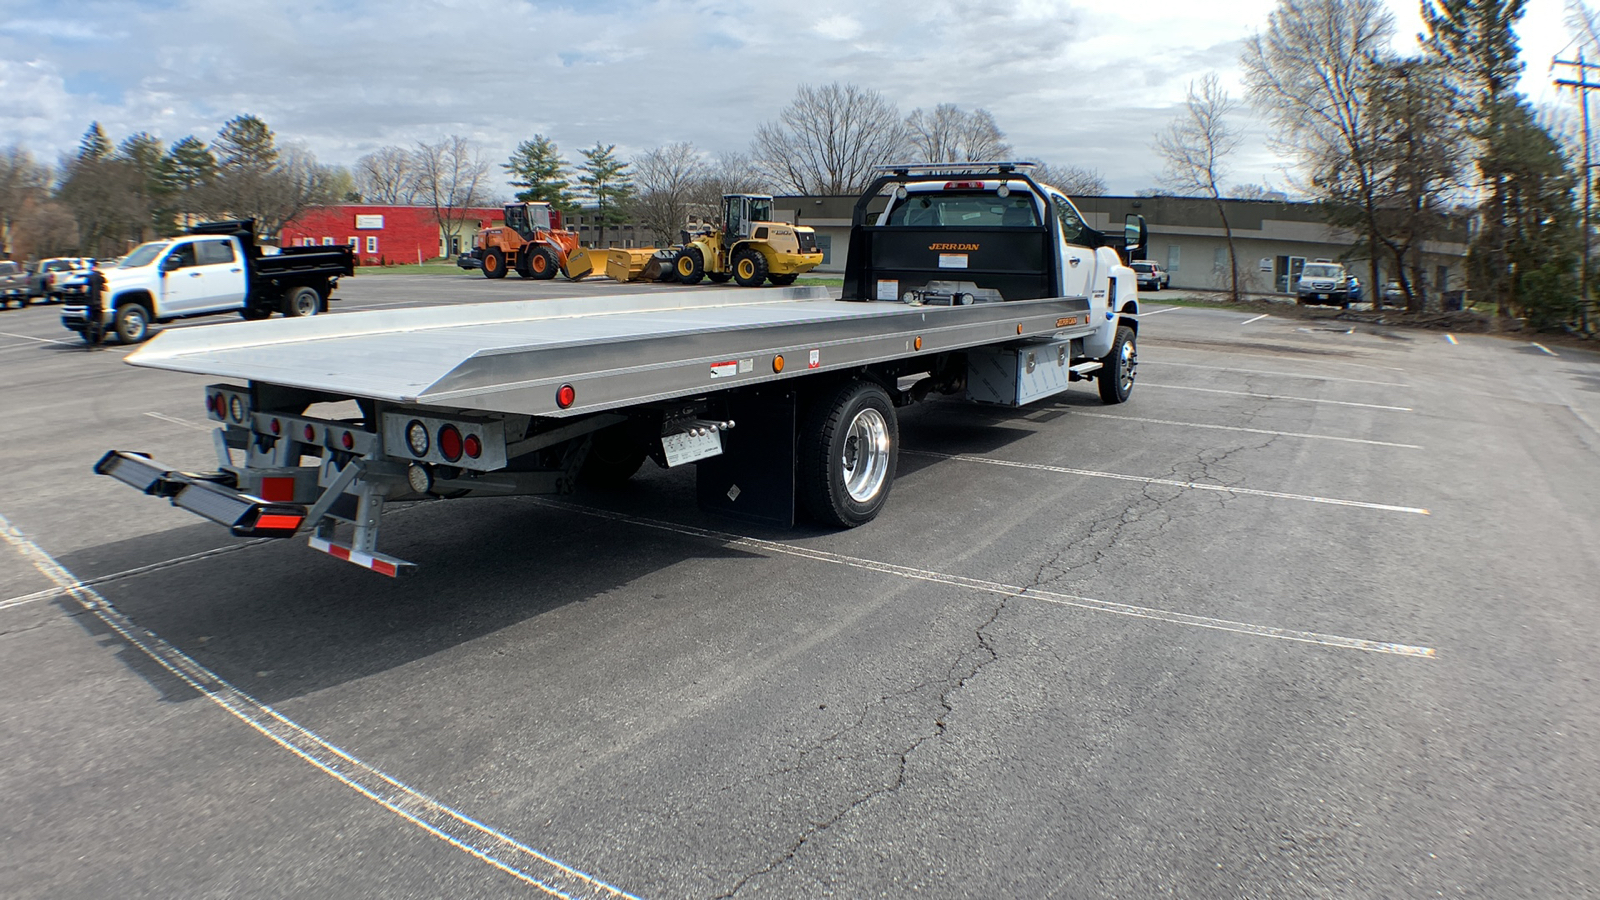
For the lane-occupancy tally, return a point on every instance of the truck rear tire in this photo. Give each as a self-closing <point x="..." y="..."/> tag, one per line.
<point x="849" y="448"/>
<point x="1117" y="368"/>
<point x="494" y="264"/>
<point x="133" y="323"/>
<point x="301" y="301"/>
<point x="691" y="267"/>
<point x="749" y="267"/>
<point x="615" y="454"/>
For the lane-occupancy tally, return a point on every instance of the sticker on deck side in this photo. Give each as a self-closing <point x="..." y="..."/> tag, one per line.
<point x="952" y="260"/>
<point x="815" y="360"/>
<point x="725" y="369"/>
<point x="888" y="290"/>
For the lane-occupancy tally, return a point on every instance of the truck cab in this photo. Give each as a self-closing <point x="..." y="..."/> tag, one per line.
<point x="988" y="232"/>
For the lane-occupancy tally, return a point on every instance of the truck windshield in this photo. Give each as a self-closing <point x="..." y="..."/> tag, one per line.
<point x="1322" y="272"/>
<point x="948" y="209"/>
<point x="143" y="255"/>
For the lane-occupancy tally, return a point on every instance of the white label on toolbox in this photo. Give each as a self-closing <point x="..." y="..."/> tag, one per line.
<point x="952" y="260"/>
<point x="725" y="369"/>
<point x="888" y="290"/>
<point x="686" y="448"/>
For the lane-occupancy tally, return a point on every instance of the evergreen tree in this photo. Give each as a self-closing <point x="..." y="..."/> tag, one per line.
<point x="1535" y="265"/>
<point x="143" y="156"/>
<point x="1475" y="41"/>
<point x="187" y="172"/>
<point x="607" y="182"/>
<point x="246" y="144"/>
<point x="94" y="146"/>
<point x="536" y="166"/>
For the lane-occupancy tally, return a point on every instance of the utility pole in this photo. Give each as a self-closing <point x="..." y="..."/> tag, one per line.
<point x="1583" y="86"/>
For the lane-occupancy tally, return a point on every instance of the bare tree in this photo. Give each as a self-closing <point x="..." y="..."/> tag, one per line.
<point x="1254" y="191"/>
<point x="670" y="181"/>
<point x="1310" y="72"/>
<point x="388" y="176"/>
<point x="829" y="140"/>
<point x="451" y="176"/>
<point x="22" y="186"/>
<point x="1074" y="181"/>
<point x="730" y="173"/>
<point x="1195" y="146"/>
<point x="949" y="134"/>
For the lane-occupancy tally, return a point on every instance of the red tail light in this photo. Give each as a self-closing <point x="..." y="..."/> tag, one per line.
<point x="565" y="396"/>
<point x="450" y="443"/>
<point x="474" y="446"/>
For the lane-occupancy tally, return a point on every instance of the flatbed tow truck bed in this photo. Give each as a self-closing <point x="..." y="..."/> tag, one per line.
<point x="615" y="351"/>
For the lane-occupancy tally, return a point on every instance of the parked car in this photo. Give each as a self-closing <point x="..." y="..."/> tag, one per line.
<point x="45" y="274"/>
<point x="1151" y="275"/>
<point x="14" y="281"/>
<point x="1323" y="281"/>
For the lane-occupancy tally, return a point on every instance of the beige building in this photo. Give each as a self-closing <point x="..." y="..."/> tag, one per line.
<point x="1273" y="239"/>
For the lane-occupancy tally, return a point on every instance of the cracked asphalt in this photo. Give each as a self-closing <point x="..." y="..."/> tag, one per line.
<point x="683" y="706"/>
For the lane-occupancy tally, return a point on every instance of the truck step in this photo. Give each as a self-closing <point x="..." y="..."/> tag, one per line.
<point x="1084" y="368"/>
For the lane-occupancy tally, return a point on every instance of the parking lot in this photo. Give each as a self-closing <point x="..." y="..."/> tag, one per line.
<point x="1313" y="614"/>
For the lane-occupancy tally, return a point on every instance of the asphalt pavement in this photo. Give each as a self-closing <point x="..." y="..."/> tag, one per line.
<point x="1312" y="615"/>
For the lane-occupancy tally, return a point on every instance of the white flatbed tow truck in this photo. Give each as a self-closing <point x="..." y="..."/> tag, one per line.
<point x="973" y="281"/>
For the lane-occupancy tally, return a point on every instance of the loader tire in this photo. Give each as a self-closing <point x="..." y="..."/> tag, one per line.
<point x="749" y="267"/>
<point x="542" y="264"/>
<point x="783" y="280"/>
<point x="691" y="267"/>
<point x="494" y="264"/>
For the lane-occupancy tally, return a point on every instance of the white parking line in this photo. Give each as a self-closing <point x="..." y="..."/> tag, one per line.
<point x="1256" y="319"/>
<point x="177" y="421"/>
<point x="1185" y="387"/>
<point x="449" y="825"/>
<point x="1168" y="362"/>
<point x="39" y="339"/>
<point x="1318" y="437"/>
<point x="59" y="591"/>
<point x="1154" y="312"/>
<point x="1191" y="485"/>
<point x="1007" y="590"/>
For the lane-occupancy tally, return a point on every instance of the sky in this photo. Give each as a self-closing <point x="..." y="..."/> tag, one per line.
<point x="1084" y="83"/>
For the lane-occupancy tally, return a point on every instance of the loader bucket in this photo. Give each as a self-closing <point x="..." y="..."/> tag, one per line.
<point x="626" y="264"/>
<point x="581" y="263"/>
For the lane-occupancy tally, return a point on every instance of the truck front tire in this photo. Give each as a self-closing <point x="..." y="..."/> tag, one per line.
<point x="849" y="448"/>
<point x="133" y="323"/>
<point x="301" y="301"/>
<point x="1117" y="368"/>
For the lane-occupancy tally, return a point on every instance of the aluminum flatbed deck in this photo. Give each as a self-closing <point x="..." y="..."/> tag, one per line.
<point x="614" y="350"/>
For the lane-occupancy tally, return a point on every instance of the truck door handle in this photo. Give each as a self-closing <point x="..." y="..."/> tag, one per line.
<point x="233" y="270"/>
<point x="195" y="274"/>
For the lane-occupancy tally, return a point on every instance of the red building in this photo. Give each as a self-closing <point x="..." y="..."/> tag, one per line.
<point x="388" y="234"/>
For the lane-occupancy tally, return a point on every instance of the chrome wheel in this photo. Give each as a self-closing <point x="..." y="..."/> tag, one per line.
<point x="1128" y="361"/>
<point x="866" y="455"/>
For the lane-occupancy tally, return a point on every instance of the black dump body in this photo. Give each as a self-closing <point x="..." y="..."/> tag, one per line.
<point x="290" y="266"/>
<point x="1017" y="261"/>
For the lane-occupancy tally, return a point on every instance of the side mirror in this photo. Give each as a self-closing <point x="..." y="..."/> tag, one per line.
<point x="1135" y="235"/>
<point x="171" y="264"/>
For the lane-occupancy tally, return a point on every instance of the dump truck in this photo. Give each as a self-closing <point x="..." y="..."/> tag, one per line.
<point x="531" y="242"/>
<point x="975" y="282"/>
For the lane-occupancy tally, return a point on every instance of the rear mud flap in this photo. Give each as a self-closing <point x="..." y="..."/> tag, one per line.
<point x="753" y="478"/>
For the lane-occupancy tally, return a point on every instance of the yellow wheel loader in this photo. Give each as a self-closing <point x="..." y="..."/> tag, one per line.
<point x="749" y="247"/>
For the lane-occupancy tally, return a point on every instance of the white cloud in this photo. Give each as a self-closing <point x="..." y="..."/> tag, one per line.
<point x="1072" y="82"/>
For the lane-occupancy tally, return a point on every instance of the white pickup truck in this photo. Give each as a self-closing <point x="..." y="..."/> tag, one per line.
<point x="215" y="268"/>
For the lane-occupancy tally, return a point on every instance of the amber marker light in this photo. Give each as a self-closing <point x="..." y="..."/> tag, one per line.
<point x="918" y="343"/>
<point x="777" y="364"/>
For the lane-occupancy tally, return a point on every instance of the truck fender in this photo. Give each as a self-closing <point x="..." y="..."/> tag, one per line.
<point x="140" y="296"/>
<point x="1121" y="306"/>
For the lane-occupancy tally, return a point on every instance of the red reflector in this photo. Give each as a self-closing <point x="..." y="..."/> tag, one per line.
<point x="349" y="441"/>
<point x="277" y="522"/>
<point x="450" y="443"/>
<point x="278" y="490"/>
<point x="276" y="427"/>
<point x="963" y="185"/>
<point x="311" y="433"/>
<point x="565" y="396"/>
<point x="474" y="446"/>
